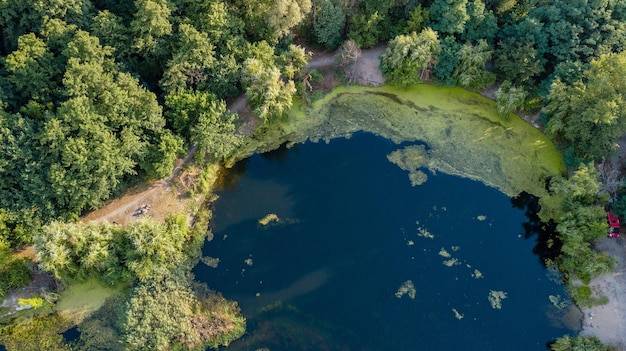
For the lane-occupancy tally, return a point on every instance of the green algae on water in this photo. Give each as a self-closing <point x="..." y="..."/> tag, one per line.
<point x="269" y="218"/>
<point x="410" y="159"/>
<point x="463" y="131"/>
<point x="495" y="298"/>
<point x="407" y="288"/>
<point x="212" y="262"/>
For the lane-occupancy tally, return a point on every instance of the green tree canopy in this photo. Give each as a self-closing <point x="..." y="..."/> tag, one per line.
<point x="570" y="31"/>
<point x="329" y="24"/>
<point x="193" y="57"/>
<point x="590" y="115"/>
<point x="407" y="56"/>
<point x="449" y="16"/>
<point x="471" y="72"/>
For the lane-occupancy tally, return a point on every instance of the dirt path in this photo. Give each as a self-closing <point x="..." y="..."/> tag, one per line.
<point x="608" y="322"/>
<point x="163" y="199"/>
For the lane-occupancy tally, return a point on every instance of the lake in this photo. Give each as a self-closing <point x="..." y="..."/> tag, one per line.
<point x="353" y="257"/>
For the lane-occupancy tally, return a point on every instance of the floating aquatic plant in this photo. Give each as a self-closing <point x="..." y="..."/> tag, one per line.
<point x="558" y="301"/>
<point x="424" y="233"/>
<point x="481" y="218"/>
<point x="212" y="262"/>
<point x="407" y="288"/>
<point x="457" y="315"/>
<point x="495" y="298"/>
<point x="477" y="274"/>
<point x="410" y="159"/>
<point x="272" y="217"/>
<point x="451" y="262"/>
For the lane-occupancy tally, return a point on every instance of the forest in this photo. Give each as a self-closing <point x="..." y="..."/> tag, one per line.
<point x="97" y="96"/>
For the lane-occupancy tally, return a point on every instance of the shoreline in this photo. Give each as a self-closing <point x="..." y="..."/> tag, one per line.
<point x="608" y="322"/>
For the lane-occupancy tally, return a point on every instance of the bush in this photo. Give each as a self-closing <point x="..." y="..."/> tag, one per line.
<point x="584" y="292"/>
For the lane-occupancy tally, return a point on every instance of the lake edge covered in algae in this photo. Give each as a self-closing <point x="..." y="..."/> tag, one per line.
<point x="463" y="132"/>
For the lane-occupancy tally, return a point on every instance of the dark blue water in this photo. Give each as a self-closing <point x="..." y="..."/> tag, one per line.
<point x="325" y="277"/>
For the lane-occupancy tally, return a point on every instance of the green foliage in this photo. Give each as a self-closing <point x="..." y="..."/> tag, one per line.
<point x="407" y="57"/>
<point x="14" y="272"/>
<point x="563" y="30"/>
<point x="471" y="72"/>
<point x="150" y="27"/>
<point x="581" y="187"/>
<point x="518" y="60"/>
<point x="268" y="95"/>
<point x="32" y="71"/>
<point x="111" y="31"/>
<point x="509" y="98"/>
<point x="449" y="16"/>
<point x="193" y="56"/>
<point x="183" y="320"/>
<point x="590" y="115"/>
<point x="364" y="29"/>
<point x="448" y="60"/>
<point x="372" y="21"/>
<point x="481" y="24"/>
<point x="160" y="159"/>
<point x="584" y="292"/>
<point x="329" y="23"/>
<point x="417" y="20"/>
<point x="63" y="157"/>
<point x="215" y="133"/>
<point x="18" y="17"/>
<point x="34" y="302"/>
<point x="110" y="253"/>
<point x="286" y="14"/>
<point x="582" y="222"/>
<point x="292" y="61"/>
<point x="166" y="302"/>
<point x="576" y="343"/>
<point x="40" y="333"/>
<point x="204" y="121"/>
<point x="102" y="330"/>
<point x="270" y="89"/>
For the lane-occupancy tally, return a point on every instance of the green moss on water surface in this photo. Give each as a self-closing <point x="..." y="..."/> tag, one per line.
<point x="81" y="299"/>
<point x="463" y="131"/>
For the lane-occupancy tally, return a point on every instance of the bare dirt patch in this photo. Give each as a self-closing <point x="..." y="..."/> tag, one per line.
<point x="608" y="322"/>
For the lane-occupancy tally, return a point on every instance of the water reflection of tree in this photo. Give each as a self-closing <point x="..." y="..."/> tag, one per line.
<point x="229" y="177"/>
<point x="548" y="245"/>
<point x="281" y="154"/>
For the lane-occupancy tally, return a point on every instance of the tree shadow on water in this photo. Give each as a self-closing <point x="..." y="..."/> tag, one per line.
<point x="547" y="243"/>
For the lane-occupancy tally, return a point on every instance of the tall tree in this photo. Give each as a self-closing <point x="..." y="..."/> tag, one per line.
<point x="407" y="57"/>
<point x="32" y="71"/>
<point x="286" y="14"/>
<point x="588" y="116"/>
<point x="268" y="95"/>
<point x="481" y="24"/>
<point x="329" y="23"/>
<point x="192" y="58"/>
<point x="449" y="16"/>
<point x="570" y="31"/>
<point x="18" y="17"/>
<point x="215" y="133"/>
<point x="471" y="71"/>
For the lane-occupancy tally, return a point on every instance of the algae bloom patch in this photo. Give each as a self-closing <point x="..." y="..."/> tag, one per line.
<point x="270" y="218"/>
<point x="410" y="159"/>
<point x="495" y="298"/>
<point x="407" y="288"/>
